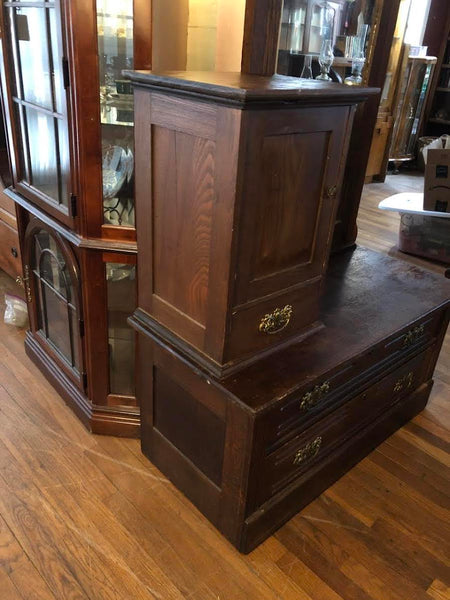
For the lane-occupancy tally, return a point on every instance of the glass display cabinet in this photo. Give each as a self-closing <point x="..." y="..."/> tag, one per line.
<point x="439" y="121"/>
<point x="69" y="116"/>
<point x="382" y="135"/>
<point x="413" y="92"/>
<point x="307" y="23"/>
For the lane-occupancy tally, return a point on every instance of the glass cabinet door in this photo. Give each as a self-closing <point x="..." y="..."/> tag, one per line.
<point x="38" y="78"/>
<point x="115" y="51"/>
<point x="413" y="94"/>
<point x="306" y="24"/>
<point x="52" y="290"/>
<point x="121" y="302"/>
<point x="293" y="22"/>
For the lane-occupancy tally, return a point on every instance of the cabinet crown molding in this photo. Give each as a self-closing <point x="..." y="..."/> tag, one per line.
<point x="246" y="90"/>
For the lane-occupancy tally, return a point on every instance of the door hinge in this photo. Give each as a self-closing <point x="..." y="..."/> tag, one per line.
<point x="73" y="205"/>
<point x="65" y="71"/>
<point x="81" y="323"/>
<point x="84" y="378"/>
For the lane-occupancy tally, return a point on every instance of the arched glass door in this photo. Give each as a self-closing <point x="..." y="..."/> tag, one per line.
<point x="54" y="298"/>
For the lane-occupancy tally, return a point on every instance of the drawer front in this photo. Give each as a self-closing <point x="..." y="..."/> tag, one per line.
<point x="10" y="260"/>
<point x="326" y="394"/>
<point x="287" y="463"/>
<point x="271" y="322"/>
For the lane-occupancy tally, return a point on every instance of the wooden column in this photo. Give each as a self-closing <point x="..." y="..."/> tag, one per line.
<point x="261" y="32"/>
<point x="358" y="156"/>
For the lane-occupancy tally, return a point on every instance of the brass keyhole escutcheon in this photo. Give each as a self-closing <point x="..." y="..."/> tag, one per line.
<point x="332" y="191"/>
<point x="276" y="321"/>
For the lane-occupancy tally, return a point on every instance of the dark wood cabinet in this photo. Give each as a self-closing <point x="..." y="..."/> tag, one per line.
<point x="254" y="448"/>
<point x="237" y="210"/>
<point x="264" y="370"/>
<point x="10" y="254"/>
<point x="70" y="130"/>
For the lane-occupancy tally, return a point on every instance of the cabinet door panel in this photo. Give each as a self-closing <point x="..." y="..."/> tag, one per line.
<point x="52" y="285"/>
<point x="183" y="196"/>
<point x="43" y="162"/>
<point x="33" y="47"/>
<point x="291" y="219"/>
<point x="288" y="215"/>
<point x="34" y="60"/>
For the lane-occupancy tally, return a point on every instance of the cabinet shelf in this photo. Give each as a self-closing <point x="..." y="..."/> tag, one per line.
<point x="440" y="121"/>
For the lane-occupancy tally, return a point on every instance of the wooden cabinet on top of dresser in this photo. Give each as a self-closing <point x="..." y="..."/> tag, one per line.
<point x="237" y="186"/>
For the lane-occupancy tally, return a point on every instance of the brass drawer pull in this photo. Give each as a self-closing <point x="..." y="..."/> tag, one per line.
<point x="413" y="335"/>
<point x="404" y="383"/>
<point x="309" y="451"/>
<point x="24" y="282"/>
<point x="276" y="321"/>
<point x="310" y="399"/>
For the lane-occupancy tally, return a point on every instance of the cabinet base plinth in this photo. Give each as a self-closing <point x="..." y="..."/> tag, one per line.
<point x="105" y="420"/>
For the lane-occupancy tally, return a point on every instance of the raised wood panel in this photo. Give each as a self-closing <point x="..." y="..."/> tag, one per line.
<point x="9" y="250"/>
<point x="288" y="211"/>
<point x="6" y="203"/>
<point x="8" y="218"/>
<point x="183" y="195"/>
<point x="293" y="219"/>
<point x="182" y="419"/>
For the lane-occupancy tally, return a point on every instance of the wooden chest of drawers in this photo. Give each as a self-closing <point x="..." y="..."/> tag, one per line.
<point x="252" y="449"/>
<point x="10" y="260"/>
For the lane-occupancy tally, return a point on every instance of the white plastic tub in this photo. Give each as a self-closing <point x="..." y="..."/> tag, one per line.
<point x="422" y="232"/>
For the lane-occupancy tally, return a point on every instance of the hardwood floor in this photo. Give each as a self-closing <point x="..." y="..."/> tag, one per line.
<point x="88" y="517"/>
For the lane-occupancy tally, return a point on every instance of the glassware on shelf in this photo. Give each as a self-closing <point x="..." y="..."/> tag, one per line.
<point x="296" y="25"/>
<point x="115" y="169"/>
<point x="117" y="172"/>
<point x="356" y="77"/>
<point x="116" y="53"/>
<point x="121" y="302"/>
<point x="357" y="54"/>
<point x="307" y="68"/>
<point x="326" y="58"/>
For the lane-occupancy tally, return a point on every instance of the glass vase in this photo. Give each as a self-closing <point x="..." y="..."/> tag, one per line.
<point x="326" y="58"/>
<point x="307" y="68"/>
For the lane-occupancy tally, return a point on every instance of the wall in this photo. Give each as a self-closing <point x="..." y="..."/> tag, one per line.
<point x="198" y="35"/>
<point x="170" y="27"/>
<point x="230" y="34"/>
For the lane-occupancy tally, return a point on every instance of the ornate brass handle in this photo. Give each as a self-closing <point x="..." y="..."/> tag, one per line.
<point x="404" y="383"/>
<point x="24" y="282"/>
<point x="308" y="451"/>
<point x="276" y="321"/>
<point x="310" y="399"/>
<point x="413" y="335"/>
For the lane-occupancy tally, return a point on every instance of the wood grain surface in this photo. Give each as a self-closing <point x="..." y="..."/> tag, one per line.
<point x="88" y="517"/>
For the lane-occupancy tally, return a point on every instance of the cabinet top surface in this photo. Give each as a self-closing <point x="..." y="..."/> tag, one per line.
<point x="247" y="89"/>
<point x="369" y="297"/>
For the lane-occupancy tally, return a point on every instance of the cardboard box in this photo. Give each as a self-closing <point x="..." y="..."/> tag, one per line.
<point x="437" y="181"/>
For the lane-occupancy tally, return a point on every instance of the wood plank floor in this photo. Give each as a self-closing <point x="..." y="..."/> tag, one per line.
<point x="88" y="517"/>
